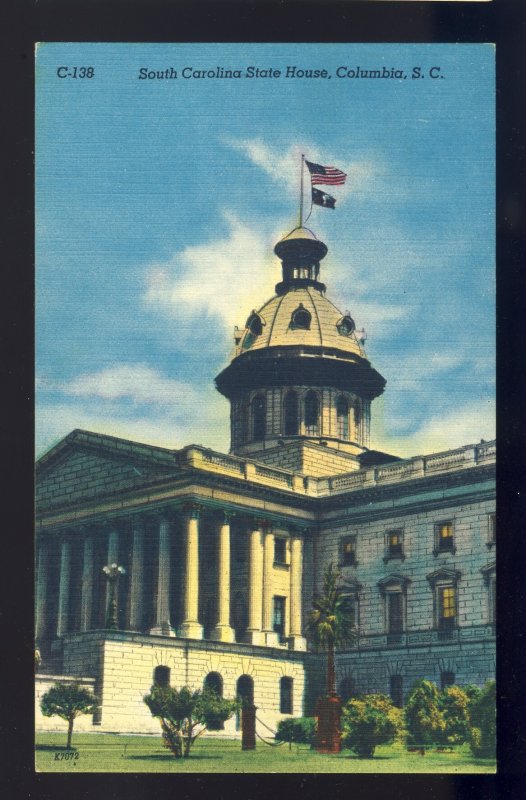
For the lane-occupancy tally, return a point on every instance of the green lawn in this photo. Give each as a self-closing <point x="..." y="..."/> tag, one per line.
<point x="115" y="753"/>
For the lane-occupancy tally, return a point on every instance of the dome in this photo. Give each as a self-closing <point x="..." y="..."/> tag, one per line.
<point x="318" y="324"/>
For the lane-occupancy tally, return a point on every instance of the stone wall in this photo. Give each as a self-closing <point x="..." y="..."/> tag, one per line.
<point x="122" y="666"/>
<point x="371" y="671"/>
<point x="472" y="555"/>
<point x="43" y="684"/>
<point x="309" y="459"/>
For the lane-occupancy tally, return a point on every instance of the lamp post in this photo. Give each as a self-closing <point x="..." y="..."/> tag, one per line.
<point x="113" y="573"/>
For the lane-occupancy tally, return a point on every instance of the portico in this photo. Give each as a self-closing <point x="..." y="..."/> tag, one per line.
<point x="165" y="553"/>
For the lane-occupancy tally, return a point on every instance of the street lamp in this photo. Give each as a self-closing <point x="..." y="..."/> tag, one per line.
<point x="113" y="573"/>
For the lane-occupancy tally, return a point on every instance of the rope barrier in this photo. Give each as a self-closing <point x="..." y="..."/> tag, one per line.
<point x="265" y="726"/>
<point x="270" y="744"/>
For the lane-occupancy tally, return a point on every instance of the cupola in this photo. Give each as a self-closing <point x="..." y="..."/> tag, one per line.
<point x="299" y="374"/>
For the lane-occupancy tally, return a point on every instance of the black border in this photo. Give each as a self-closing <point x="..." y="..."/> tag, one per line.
<point x="24" y="22"/>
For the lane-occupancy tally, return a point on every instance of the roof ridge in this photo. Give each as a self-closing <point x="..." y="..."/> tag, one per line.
<point x="317" y="315"/>
<point x="271" y="331"/>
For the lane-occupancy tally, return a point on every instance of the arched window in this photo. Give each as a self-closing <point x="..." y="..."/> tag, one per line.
<point x="301" y="318"/>
<point x="447" y="678"/>
<point x="161" y="676"/>
<point x="214" y="683"/>
<point x="285" y="695"/>
<point x="259" y="414"/>
<point x="342" y="417"/>
<point x="357" y="413"/>
<point x="245" y="693"/>
<point x="347" y="688"/>
<point x="291" y="414"/>
<point x="312" y="413"/>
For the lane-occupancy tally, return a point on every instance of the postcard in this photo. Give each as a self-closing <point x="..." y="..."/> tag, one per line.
<point x="265" y="514"/>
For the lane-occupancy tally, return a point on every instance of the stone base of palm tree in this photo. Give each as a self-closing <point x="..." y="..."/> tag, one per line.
<point x="328" y="712"/>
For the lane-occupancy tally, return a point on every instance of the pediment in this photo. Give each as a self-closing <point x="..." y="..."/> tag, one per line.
<point x="85" y="465"/>
<point x="444" y="575"/>
<point x="393" y="582"/>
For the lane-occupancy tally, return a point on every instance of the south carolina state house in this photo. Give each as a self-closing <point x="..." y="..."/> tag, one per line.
<point x="223" y="554"/>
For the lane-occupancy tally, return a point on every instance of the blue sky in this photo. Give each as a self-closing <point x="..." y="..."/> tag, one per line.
<point x="159" y="203"/>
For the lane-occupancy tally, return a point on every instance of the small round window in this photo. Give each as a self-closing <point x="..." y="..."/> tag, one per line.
<point x="255" y="324"/>
<point x="346" y="325"/>
<point x="301" y="318"/>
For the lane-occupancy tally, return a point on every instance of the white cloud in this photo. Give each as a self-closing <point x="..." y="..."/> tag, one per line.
<point x="136" y="382"/>
<point x="283" y="165"/>
<point x="466" y="425"/>
<point x="224" y="278"/>
<point x="170" y="419"/>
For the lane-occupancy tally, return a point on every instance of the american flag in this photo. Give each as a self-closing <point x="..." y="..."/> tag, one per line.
<point x="328" y="175"/>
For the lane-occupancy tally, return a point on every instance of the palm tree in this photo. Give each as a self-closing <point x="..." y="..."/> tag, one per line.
<point x="331" y="622"/>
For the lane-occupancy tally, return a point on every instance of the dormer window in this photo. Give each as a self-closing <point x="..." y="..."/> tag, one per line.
<point x="301" y="318"/>
<point x="255" y="324"/>
<point x="346" y="325"/>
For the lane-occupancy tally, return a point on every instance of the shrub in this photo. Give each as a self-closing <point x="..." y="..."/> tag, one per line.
<point x="424" y="719"/>
<point x="301" y="730"/>
<point x="369" y="721"/>
<point x="68" y="701"/>
<point x="185" y="715"/>
<point x="453" y="702"/>
<point x="483" y="720"/>
<point x="472" y="692"/>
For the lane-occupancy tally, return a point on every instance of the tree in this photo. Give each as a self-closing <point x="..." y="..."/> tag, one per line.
<point x="369" y="721"/>
<point x="331" y="622"/>
<point x="424" y="719"/>
<point x="483" y="733"/>
<point x="69" y="701"/>
<point x="186" y="715"/>
<point x="453" y="702"/>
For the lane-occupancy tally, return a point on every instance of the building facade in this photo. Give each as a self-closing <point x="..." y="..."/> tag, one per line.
<point x="223" y="554"/>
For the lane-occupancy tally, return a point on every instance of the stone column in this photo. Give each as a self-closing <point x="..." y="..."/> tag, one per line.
<point x="86" y="598"/>
<point x="41" y="596"/>
<point x="112" y="558"/>
<point x="162" y="625"/>
<point x="223" y="632"/>
<point x="64" y="588"/>
<point x="255" y="586"/>
<point x="271" y="637"/>
<point x="190" y="627"/>
<point x="297" y="641"/>
<point x="137" y="575"/>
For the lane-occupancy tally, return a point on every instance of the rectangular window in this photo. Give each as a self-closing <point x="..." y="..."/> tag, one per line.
<point x="348" y="554"/>
<point x="491" y="530"/>
<point x="493" y="601"/>
<point x="445" y="538"/>
<point x="278" y="622"/>
<point x="397" y="690"/>
<point x="394" y="544"/>
<point x="280" y="550"/>
<point x="285" y="696"/>
<point x="395" y="619"/>
<point x="447" y="607"/>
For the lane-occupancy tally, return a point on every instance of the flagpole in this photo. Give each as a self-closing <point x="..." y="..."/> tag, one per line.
<point x="301" y="189"/>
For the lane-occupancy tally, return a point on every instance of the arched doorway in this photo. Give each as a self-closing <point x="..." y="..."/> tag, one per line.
<point x="214" y="683"/>
<point x="245" y="693"/>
